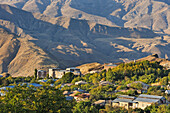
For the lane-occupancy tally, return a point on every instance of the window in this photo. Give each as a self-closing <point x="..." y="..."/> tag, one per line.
<point x="130" y="104"/>
<point x="125" y="104"/>
<point x="143" y="105"/>
<point x="136" y="105"/>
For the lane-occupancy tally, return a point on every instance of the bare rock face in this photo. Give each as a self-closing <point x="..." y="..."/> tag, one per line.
<point x="151" y="14"/>
<point x="29" y="41"/>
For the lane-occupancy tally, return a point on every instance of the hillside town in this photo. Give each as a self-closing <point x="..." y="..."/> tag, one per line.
<point x="75" y="86"/>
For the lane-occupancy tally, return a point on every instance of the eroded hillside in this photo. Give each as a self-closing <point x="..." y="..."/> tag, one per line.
<point x="39" y="42"/>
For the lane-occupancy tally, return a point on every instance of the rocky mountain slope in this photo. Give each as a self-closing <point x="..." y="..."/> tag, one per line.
<point x="152" y="14"/>
<point x="29" y="41"/>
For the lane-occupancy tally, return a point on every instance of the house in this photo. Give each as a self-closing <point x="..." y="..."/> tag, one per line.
<point x="74" y="70"/>
<point x="5" y="88"/>
<point x="41" y="74"/>
<point x="142" y="101"/>
<point x="144" y="85"/>
<point x="5" y="75"/>
<point x="94" y="71"/>
<point x="167" y="92"/>
<point x="66" y="93"/>
<point x="69" y="98"/>
<point x="46" y="80"/>
<point x="68" y="84"/>
<point x="123" y="101"/>
<point x="80" y="83"/>
<point x="156" y="84"/>
<point x="56" y="73"/>
<point x="32" y="84"/>
<point x="110" y="65"/>
<point x="42" y="81"/>
<point x="168" y="86"/>
<point x="104" y="83"/>
<point x="80" y="90"/>
<point x="100" y="102"/>
<point x="82" y="97"/>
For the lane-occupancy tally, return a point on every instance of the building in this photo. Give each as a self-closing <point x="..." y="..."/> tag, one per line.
<point x="33" y="84"/>
<point x="41" y="74"/>
<point x="94" y="71"/>
<point x="6" y="75"/>
<point x="100" y="102"/>
<point x="104" y="83"/>
<point x="4" y="89"/>
<point x="123" y="101"/>
<point x="80" y="90"/>
<point x="58" y="73"/>
<point x="66" y="93"/>
<point x="82" y="97"/>
<point x="142" y="101"/>
<point x="74" y="70"/>
<point x="110" y="65"/>
<point x="80" y="82"/>
<point x="156" y="84"/>
<point x="144" y="85"/>
<point x="68" y="84"/>
<point x="69" y="98"/>
<point x="167" y="92"/>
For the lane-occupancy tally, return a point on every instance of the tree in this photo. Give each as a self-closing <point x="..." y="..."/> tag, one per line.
<point x="67" y="78"/>
<point x="85" y="107"/>
<point x="47" y="76"/>
<point x="38" y="100"/>
<point x="35" y="74"/>
<point x="110" y="76"/>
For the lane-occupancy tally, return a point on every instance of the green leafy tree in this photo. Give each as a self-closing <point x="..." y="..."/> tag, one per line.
<point x="67" y="78"/>
<point x="35" y="73"/>
<point x="22" y="99"/>
<point x="85" y="107"/>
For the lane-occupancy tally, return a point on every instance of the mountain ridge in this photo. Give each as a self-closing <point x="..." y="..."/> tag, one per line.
<point x="44" y="42"/>
<point x="151" y="14"/>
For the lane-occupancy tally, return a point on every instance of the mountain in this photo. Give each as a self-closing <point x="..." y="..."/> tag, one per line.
<point x="30" y="41"/>
<point x="151" y="14"/>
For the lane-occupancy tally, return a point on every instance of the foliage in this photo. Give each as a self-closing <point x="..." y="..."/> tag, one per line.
<point x="85" y="107"/>
<point x="31" y="99"/>
<point x="154" y="108"/>
<point x="136" y="85"/>
<point x="102" y="92"/>
<point x="109" y="109"/>
<point x="35" y="73"/>
<point x="67" y="78"/>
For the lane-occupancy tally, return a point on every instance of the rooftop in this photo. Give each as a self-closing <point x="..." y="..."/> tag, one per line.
<point x="72" y="68"/>
<point x="150" y="96"/>
<point x="69" y="98"/>
<point x="105" y="82"/>
<point x="41" y="71"/>
<point x="81" y="82"/>
<point x="99" y="102"/>
<point x="167" y="91"/>
<point x="111" y="65"/>
<point x="5" y="87"/>
<point x="146" y="100"/>
<point x="126" y="96"/>
<point x="122" y="100"/>
<point x="138" y="82"/>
